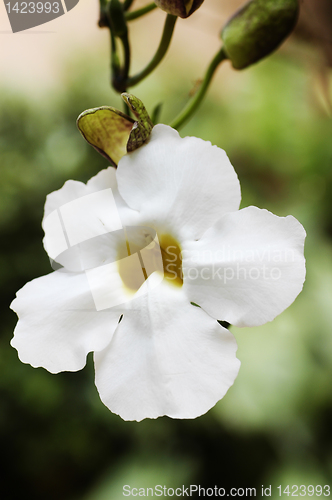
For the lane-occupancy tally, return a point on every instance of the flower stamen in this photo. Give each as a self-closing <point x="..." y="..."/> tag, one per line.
<point x="172" y="260"/>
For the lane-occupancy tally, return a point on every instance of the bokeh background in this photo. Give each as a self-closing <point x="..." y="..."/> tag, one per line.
<point x="57" y="440"/>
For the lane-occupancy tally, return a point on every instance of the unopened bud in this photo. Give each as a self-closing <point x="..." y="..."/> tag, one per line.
<point x="257" y="29"/>
<point x="112" y="133"/>
<point x="179" y="8"/>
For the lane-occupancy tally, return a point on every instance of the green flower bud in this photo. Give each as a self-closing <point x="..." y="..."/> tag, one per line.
<point x="112" y="133"/>
<point x="142" y="128"/>
<point x="107" y="130"/>
<point x="257" y="29"/>
<point x="180" y="8"/>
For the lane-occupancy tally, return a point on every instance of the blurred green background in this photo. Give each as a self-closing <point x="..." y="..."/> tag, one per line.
<point x="273" y="427"/>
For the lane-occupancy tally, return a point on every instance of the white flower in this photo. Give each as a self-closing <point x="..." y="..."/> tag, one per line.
<point x="166" y="356"/>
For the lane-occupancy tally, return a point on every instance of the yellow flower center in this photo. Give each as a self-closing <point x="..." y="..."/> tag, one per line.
<point x="146" y="256"/>
<point x="172" y="261"/>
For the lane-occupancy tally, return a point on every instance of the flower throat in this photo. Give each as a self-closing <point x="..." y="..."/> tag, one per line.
<point x="170" y="263"/>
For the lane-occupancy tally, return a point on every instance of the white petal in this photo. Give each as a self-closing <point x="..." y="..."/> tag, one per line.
<point x="89" y="216"/>
<point x="182" y="184"/>
<point x="107" y="179"/>
<point x="107" y="285"/>
<point x="247" y="268"/>
<point x="80" y="221"/>
<point x="167" y="357"/>
<point x="58" y="322"/>
<point x="71" y="190"/>
<point x="104" y="179"/>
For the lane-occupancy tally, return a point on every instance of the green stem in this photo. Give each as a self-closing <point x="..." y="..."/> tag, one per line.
<point x="193" y="104"/>
<point x="161" y="51"/>
<point x="119" y="30"/>
<point x="130" y="16"/>
<point x="103" y="19"/>
<point x="127" y="4"/>
<point x="126" y="48"/>
<point x="115" y="62"/>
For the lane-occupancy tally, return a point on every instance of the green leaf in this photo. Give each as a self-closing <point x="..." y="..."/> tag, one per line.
<point x="107" y="130"/>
